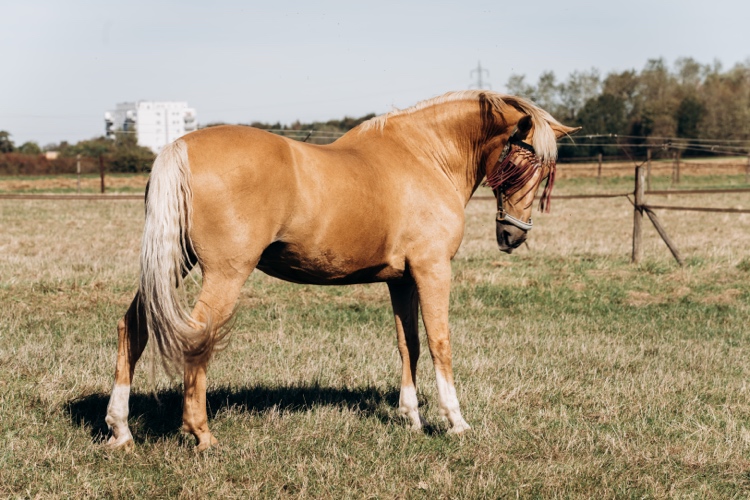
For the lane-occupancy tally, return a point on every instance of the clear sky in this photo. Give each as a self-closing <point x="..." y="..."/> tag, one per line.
<point x="64" y="63"/>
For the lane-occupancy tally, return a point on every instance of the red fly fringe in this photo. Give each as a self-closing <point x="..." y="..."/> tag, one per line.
<point x="546" y="200"/>
<point x="516" y="170"/>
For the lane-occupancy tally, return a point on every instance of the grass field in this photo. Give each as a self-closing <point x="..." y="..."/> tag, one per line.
<point x="581" y="374"/>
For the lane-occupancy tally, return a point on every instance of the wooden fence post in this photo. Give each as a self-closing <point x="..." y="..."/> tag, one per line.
<point x="78" y="173"/>
<point x="664" y="236"/>
<point x="747" y="170"/>
<point x="648" y="169"/>
<point x="638" y="213"/>
<point x="599" y="171"/>
<point x="676" y="168"/>
<point x="101" y="172"/>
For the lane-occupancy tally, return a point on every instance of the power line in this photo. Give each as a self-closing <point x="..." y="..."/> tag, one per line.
<point x="655" y="137"/>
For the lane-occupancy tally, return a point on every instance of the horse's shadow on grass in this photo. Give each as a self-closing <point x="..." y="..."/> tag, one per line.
<point x="154" y="416"/>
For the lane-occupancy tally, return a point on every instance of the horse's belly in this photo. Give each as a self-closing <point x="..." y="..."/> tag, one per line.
<point x="326" y="268"/>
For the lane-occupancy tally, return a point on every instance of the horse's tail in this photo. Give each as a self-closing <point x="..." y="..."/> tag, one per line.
<point x="167" y="256"/>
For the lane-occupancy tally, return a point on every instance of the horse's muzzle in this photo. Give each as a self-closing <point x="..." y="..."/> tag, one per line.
<point x="509" y="237"/>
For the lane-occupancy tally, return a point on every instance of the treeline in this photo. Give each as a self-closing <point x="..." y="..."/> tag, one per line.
<point x="705" y="106"/>
<point x="122" y="154"/>
<point x="343" y="125"/>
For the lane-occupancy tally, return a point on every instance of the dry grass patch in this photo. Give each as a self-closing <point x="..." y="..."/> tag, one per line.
<point x="70" y="183"/>
<point x="581" y="375"/>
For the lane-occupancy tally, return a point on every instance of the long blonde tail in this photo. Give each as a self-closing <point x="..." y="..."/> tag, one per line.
<point x="165" y="260"/>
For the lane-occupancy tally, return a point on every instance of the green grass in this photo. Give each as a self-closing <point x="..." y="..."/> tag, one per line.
<point x="581" y="374"/>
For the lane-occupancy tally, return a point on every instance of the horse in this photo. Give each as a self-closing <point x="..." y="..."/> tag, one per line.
<point x="383" y="203"/>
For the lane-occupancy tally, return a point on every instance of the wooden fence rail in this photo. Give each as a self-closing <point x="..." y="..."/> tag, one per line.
<point x="640" y="206"/>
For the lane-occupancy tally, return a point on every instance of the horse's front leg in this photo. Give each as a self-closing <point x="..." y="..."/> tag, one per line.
<point x="131" y="340"/>
<point x="404" y="299"/>
<point x="433" y="283"/>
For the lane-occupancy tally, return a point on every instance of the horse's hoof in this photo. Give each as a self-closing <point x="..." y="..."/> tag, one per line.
<point x="125" y="444"/>
<point x="459" y="428"/>
<point x="205" y="444"/>
<point x="413" y="418"/>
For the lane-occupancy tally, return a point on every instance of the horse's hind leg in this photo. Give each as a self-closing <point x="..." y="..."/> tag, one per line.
<point x="131" y="340"/>
<point x="214" y="307"/>
<point x="404" y="300"/>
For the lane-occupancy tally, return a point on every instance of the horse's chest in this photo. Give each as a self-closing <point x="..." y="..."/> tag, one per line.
<point x="327" y="266"/>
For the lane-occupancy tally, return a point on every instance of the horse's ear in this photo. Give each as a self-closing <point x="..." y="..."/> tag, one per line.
<point x="523" y="127"/>
<point x="562" y="130"/>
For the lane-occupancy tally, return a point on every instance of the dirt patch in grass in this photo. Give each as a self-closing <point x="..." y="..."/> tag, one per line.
<point x="639" y="299"/>
<point x="729" y="296"/>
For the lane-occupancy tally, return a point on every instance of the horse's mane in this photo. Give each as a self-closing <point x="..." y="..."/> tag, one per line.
<point x="544" y="140"/>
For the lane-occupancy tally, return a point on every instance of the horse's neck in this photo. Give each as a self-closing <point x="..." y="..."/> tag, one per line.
<point x="448" y="136"/>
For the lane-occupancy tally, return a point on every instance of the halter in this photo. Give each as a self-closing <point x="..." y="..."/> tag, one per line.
<point x="509" y="177"/>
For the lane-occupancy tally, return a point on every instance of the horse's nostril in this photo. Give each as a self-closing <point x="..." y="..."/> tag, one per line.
<point x="509" y="236"/>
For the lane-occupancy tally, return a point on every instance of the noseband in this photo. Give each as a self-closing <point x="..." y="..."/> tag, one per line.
<point x="516" y="166"/>
<point x="503" y="216"/>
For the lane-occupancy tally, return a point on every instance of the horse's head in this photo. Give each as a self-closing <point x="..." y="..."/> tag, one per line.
<point x="517" y="175"/>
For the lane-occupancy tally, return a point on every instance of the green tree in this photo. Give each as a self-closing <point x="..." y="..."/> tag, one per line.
<point x="577" y="91"/>
<point x="658" y="92"/>
<point x="604" y="114"/>
<point x="123" y="154"/>
<point x="30" y="148"/>
<point x="726" y="97"/>
<point x="128" y="156"/>
<point x="547" y="93"/>
<point x="688" y="117"/>
<point x="625" y="87"/>
<point x="93" y="147"/>
<point x="517" y="86"/>
<point x="690" y="73"/>
<point x="6" y="143"/>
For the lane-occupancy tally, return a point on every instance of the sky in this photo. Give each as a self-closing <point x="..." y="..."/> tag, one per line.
<point x="64" y="64"/>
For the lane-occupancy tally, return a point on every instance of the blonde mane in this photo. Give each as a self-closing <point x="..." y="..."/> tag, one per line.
<point x="544" y="139"/>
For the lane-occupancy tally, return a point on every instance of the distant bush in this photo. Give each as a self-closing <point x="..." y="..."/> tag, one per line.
<point x="31" y="164"/>
<point x="122" y="161"/>
<point x="120" y="155"/>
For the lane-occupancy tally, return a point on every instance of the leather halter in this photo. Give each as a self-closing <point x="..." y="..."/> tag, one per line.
<point x="502" y="215"/>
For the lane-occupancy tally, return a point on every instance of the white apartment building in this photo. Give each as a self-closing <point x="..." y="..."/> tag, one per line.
<point x="155" y="123"/>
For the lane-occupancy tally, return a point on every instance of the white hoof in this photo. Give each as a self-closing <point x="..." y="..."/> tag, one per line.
<point x="415" y="419"/>
<point x="123" y="442"/>
<point x="459" y="427"/>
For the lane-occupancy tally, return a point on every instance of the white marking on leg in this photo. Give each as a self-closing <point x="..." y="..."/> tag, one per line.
<point x="117" y="416"/>
<point x="448" y="404"/>
<point x="408" y="406"/>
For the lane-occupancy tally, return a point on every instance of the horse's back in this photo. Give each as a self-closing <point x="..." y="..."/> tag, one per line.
<point x="222" y="149"/>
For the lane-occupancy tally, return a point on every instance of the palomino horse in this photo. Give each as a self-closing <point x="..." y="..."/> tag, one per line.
<point x="384" y="203"/>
